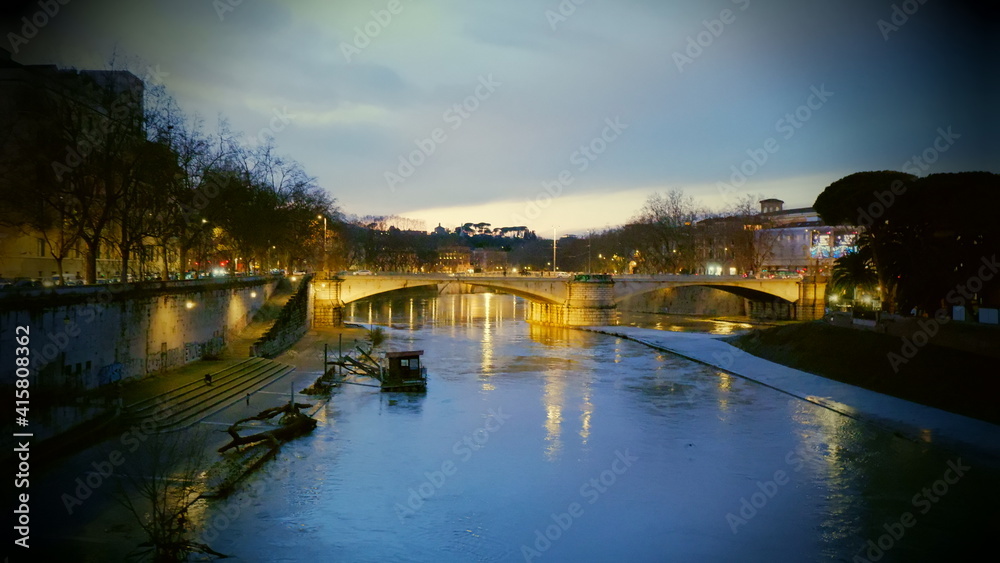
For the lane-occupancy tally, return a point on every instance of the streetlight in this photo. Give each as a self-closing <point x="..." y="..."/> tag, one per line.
<point x="324" y="239"/>
<point x="554" y="249"/>
<point x="590" y="235"/>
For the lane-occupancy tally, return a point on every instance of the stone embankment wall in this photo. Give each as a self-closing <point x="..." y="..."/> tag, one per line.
<point x="292" y="323"/>
<point x="85" y="337"/>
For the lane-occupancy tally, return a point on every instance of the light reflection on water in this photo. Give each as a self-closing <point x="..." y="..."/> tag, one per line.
<point x="685" y="323"/>
<point x="704" y="440"/>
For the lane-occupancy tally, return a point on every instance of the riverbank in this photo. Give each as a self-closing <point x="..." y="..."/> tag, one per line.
<point x="908" y="419"/>
<point x="953" y="380"/>
<point x="100" y="529"/>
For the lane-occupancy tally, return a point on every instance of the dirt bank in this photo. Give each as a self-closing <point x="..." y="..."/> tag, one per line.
<point x="945" y="378"/>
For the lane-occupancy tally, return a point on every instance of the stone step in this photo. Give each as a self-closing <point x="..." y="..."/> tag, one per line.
<point x="190" y="403"/>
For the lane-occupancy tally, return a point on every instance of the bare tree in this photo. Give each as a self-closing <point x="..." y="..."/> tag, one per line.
<point x="663" y="233"/>
<point x="157" y="485"/>
<point x="750" y="234"/>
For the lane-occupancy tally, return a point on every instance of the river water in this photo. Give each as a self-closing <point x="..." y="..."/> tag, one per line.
<point x="540" y="444"/>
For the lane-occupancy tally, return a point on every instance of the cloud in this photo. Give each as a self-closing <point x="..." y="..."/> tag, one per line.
<point x="355" y="118"/>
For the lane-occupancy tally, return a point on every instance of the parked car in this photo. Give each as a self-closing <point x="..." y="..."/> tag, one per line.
<point x="362" y="272"/>
<point x="25" y="283"/>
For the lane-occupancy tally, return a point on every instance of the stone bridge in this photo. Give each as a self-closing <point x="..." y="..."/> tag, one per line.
<point x="579" y="300"/>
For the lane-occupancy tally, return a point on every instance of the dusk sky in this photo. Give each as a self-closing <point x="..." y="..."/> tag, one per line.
<point x="661" y="94"/>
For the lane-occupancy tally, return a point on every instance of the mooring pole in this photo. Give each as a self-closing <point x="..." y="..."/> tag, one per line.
<point x="340" y="352"/>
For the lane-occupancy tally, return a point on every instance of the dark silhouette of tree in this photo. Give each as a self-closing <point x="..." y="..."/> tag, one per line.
<point x="854" y="200"/>
<point x="157" y="485"/>
<point x="926" y="236"/>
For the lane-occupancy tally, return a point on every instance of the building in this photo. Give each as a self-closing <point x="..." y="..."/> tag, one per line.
<point x="776" y="242"/>
<point x="52" y="119"/>
<point x="453" y="259"/>
<point x="799" y="241"/>
<point x="489" y="259"/>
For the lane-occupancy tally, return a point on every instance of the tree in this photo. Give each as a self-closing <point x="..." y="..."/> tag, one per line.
<point x="36" y="202"/>
<point x="375" y="337"/>
<point x="746" y="233"/>
<point x="663" y="234"/>
<point x="926" y="236"/>
<point x="855" y="271"/>
<point x="870" y="199"/>
<point x="157" y="485"/>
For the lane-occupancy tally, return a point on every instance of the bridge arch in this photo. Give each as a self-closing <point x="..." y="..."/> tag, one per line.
<point x="352" y="288"/>
<point x="740" y="291"/>
<point x="752" y="289"/>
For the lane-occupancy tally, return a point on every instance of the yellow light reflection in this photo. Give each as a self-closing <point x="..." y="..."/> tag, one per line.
<point x="588" y="410"/>
<point x="554" y="398"/>
<point x="825" y="430"/>
<point x="725" y="381"/>
<point x="486" y="365"/>
<point x="725" y="384"/>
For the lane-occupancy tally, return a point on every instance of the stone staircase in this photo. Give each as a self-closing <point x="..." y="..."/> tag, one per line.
<point x="183" y="406"/>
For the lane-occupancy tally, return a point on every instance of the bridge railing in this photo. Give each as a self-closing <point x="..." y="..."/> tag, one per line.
<point x="557" y="275"/>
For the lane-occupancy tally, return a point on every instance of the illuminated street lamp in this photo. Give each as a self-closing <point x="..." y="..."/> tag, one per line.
<point x="553" y="248"/>
<point x="324" y="239"/>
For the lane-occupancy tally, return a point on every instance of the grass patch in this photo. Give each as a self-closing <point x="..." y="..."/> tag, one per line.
<point x="945" y="378"/>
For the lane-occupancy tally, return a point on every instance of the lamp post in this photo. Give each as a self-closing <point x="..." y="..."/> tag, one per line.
<point x="324" y="239"/>
<point x="553" y="249"/>
<point x="590" y="235"/>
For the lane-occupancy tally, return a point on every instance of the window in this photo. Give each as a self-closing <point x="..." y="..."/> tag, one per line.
<point x="41" y="248"/>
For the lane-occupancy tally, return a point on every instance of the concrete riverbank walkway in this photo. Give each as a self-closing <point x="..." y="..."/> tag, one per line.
<point x="914" y="421"/>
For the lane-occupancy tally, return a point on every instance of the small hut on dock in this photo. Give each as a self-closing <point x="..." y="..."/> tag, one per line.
<point x="405" y="372"/>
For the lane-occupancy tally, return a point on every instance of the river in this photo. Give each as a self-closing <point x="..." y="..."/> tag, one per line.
<point x="544" y="444"/>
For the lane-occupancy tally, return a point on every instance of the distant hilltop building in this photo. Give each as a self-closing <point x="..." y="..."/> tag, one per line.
<point x="485" y="229"/>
